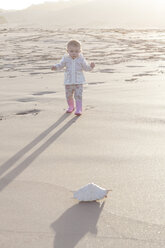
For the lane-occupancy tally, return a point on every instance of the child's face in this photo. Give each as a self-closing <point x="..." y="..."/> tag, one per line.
<point x="73" y="51"/>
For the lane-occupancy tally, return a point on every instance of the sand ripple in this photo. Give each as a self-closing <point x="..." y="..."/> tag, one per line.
<point x="32" y="51"/>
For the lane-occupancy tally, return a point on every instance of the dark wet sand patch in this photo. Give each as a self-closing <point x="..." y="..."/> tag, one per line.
<point x="40" y="73"/>
<point x="43" y="93"/>
<point x="131" y="80"/>
<point x="26" y="99"/>
<point x="107" y="70"/>
<point x="32" y="111"/>
<point x="95" y="83"/>
<point x="134" y="66"/>
<point x="151" y="121"/>
<point x="144" y="74"/>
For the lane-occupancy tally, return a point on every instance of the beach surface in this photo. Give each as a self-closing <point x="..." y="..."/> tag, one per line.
<point x="118" y="142"/>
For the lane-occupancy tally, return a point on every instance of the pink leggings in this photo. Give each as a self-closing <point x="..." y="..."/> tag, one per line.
<point x="76" y="89"/>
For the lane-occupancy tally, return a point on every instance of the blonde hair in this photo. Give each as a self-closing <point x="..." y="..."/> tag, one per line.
<point x="74" y="43"/>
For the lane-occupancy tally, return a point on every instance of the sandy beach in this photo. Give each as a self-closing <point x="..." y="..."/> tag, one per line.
<point x="118" y="142"/>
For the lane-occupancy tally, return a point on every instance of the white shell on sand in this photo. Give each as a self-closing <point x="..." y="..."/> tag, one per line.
<point x="90" y="192"/>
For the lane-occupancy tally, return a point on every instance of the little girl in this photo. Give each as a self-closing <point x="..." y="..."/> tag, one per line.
<point x="74" y="77"/>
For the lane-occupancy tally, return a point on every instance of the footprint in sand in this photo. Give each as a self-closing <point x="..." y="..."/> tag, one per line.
<point x="89" y="107"/>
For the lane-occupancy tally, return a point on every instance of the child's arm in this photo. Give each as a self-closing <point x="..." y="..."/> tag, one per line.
<point x="86" y="66"/>
<point x="60" y="65"/>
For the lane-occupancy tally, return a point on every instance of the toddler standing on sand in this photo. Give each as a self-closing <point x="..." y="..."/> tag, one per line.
<point x="74" y="77"/>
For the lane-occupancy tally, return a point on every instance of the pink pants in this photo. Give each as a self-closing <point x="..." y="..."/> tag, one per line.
<point x="74" y="89"/>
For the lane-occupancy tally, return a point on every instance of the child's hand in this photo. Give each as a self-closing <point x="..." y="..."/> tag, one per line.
<point x="92" y="65"/>
<point x="53" y="68"/>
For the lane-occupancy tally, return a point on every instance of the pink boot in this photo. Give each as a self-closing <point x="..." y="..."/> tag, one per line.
<point x="71" y="106"/>
<point x="78" y="107"/>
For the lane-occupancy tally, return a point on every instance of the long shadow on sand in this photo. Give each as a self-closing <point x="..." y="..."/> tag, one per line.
<point x="5" y="166"/>
<point x="118" y="231"/>
<point x="75" y="223"/>
<point x="10" y="176"/>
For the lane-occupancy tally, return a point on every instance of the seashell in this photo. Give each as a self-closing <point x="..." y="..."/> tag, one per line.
<point x="90" y="192"/>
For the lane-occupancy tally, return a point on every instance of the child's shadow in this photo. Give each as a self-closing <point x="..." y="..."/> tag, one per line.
<point x="75" y="223"/>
